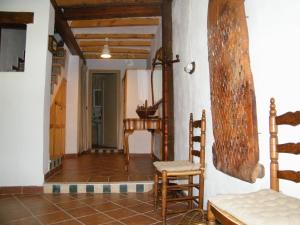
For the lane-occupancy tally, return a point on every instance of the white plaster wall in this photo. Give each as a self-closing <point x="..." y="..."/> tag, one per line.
<point x="72" y="108"/>
<point x="12" y="47"/>
<point x="274" y="54"/>
<point x="138" y="90"/>
<point x="24" y="123"/>
<point x="274" y="51"/>
<point x="121" y="65"/>
<point x="156" y="44"/>
<point x="47" y="99"/>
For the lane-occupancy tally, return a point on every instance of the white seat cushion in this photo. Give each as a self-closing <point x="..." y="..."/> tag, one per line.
<point x="175" y="166"/>
<point x="264" y="207"/>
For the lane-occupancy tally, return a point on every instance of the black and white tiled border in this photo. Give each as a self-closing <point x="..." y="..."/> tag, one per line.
<point x="120" y="187"/>
<point x="55" y="163"/>
<point x="107" y="151"/>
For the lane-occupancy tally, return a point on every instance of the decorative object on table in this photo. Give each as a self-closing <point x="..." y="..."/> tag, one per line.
<point x="52" y="44"/>
<point x="193" y="217"/>
<point x="146" y="111"/>
<point x="235" y="150"/>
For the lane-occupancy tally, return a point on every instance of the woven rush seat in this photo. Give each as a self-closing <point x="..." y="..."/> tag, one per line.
<point x="175" y="166"/>
<point x="264" y="207"/>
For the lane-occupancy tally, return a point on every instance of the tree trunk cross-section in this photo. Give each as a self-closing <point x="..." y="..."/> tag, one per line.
<point x="235" y="150"/>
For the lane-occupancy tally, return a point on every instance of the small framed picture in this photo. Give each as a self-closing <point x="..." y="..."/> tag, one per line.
<point x="52" y="44"/>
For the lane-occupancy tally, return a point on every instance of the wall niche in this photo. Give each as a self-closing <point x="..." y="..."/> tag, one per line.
<point x="13" y="27"/>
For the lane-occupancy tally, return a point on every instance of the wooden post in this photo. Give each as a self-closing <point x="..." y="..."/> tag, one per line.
<point x="273" y="145"/>
<point x="164" y="196"/>
<point x="191" y="132"/>
<point x="168" y="107"/>
<point x="155" y="189"/>
<point x="202" y="160"/>
<point x="210" y="216"/>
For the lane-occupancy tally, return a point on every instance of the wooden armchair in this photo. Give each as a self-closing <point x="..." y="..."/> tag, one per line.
<point x="269" y="206"/>
<point x="183" y="170"/>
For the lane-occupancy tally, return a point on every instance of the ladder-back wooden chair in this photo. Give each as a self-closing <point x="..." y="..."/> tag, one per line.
<point x="183" y="170"/>
<point x="268" y="206"/>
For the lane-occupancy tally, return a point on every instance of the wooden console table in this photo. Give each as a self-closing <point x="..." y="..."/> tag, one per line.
<point x="130" y="125"/>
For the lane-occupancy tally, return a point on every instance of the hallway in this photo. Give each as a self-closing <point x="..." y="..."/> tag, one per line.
<point x="96" y="167"/>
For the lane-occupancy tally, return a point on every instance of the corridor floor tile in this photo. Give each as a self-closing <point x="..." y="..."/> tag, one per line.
<point x="89" y="209"/>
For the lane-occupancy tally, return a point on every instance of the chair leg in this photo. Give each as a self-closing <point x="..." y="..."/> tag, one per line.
<point x="201" y="191"/>
<point x="155" y="188"/>
<point x="190" y="192"/>
<point x="210" y="216"/>
<point x="164" y="196"/>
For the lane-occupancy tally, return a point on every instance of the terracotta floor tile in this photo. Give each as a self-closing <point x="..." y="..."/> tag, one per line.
<point x="13" y="213"/>
<point x="82" y="211"/>
<point x="94" y="200"/>
<point x="53" y="217"/>
<point x="71" y="204"/>
<point x="113" y="223"/>
<point x="106" y="206"/>
<point x="146" y="197"/>
<point x="59" y="198"/>
<point x="27" y="221"/>
<point x="138" y="220"/>
<point x="95" y="219"/>
<point x="155" y="214"/>
<point x="117" y="178"/>
<point x="120" y="213"/>
<point x="138" y="178"/>
<point x="2" y="196"/>
<point x="68" y="222"/>
<point x="127" y="202"/>
<point x="142" y="208"/>
<point x="43" y="209"/>
<point x="82" y="196"/>
<point x="113" y="196"/>
<point x="98" y="179"/>
<point x="98" y="167"/>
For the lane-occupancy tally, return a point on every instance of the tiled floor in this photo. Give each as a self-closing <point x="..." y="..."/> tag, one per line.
<point x="90" y="209"/>
<point x="104" y="168"/>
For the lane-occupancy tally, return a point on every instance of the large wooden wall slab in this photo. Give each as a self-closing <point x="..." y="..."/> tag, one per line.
<point x="235" y="150"/>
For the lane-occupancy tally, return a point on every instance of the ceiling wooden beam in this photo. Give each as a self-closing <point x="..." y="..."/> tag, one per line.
<point x="114" y="36"/>
<point x="114" y="43"/>
<point x="93" y="3"/>
<point x="16" y="17"/>
<point x="115" y="50"/>
<point x="109" y="12"/>
<point x="115" y="22"/>
<point x="118" y="56"/>
<point x="62" y="27"/>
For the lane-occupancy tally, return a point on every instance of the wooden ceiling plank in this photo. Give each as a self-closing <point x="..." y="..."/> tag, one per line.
<point x="118" y="56"/>
<point x="116" y="50"/>
<point x="109" y="12"/>
<point x="115" y="36"/>
<point x="92" y="3"/>
<point x="115" y="22"/>
<point x="114" y="43"/>
<point x="62" y="27"/>
<point x="16" y="17"/>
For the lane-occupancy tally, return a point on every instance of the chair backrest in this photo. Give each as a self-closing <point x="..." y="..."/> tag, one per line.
<point x="194" y="124"/>
<point x="292" y="119"/>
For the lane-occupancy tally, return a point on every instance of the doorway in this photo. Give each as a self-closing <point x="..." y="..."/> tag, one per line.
<point x="104" y="110"/>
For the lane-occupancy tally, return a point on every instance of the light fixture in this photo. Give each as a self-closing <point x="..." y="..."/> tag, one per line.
<point x="105" y="54"/>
